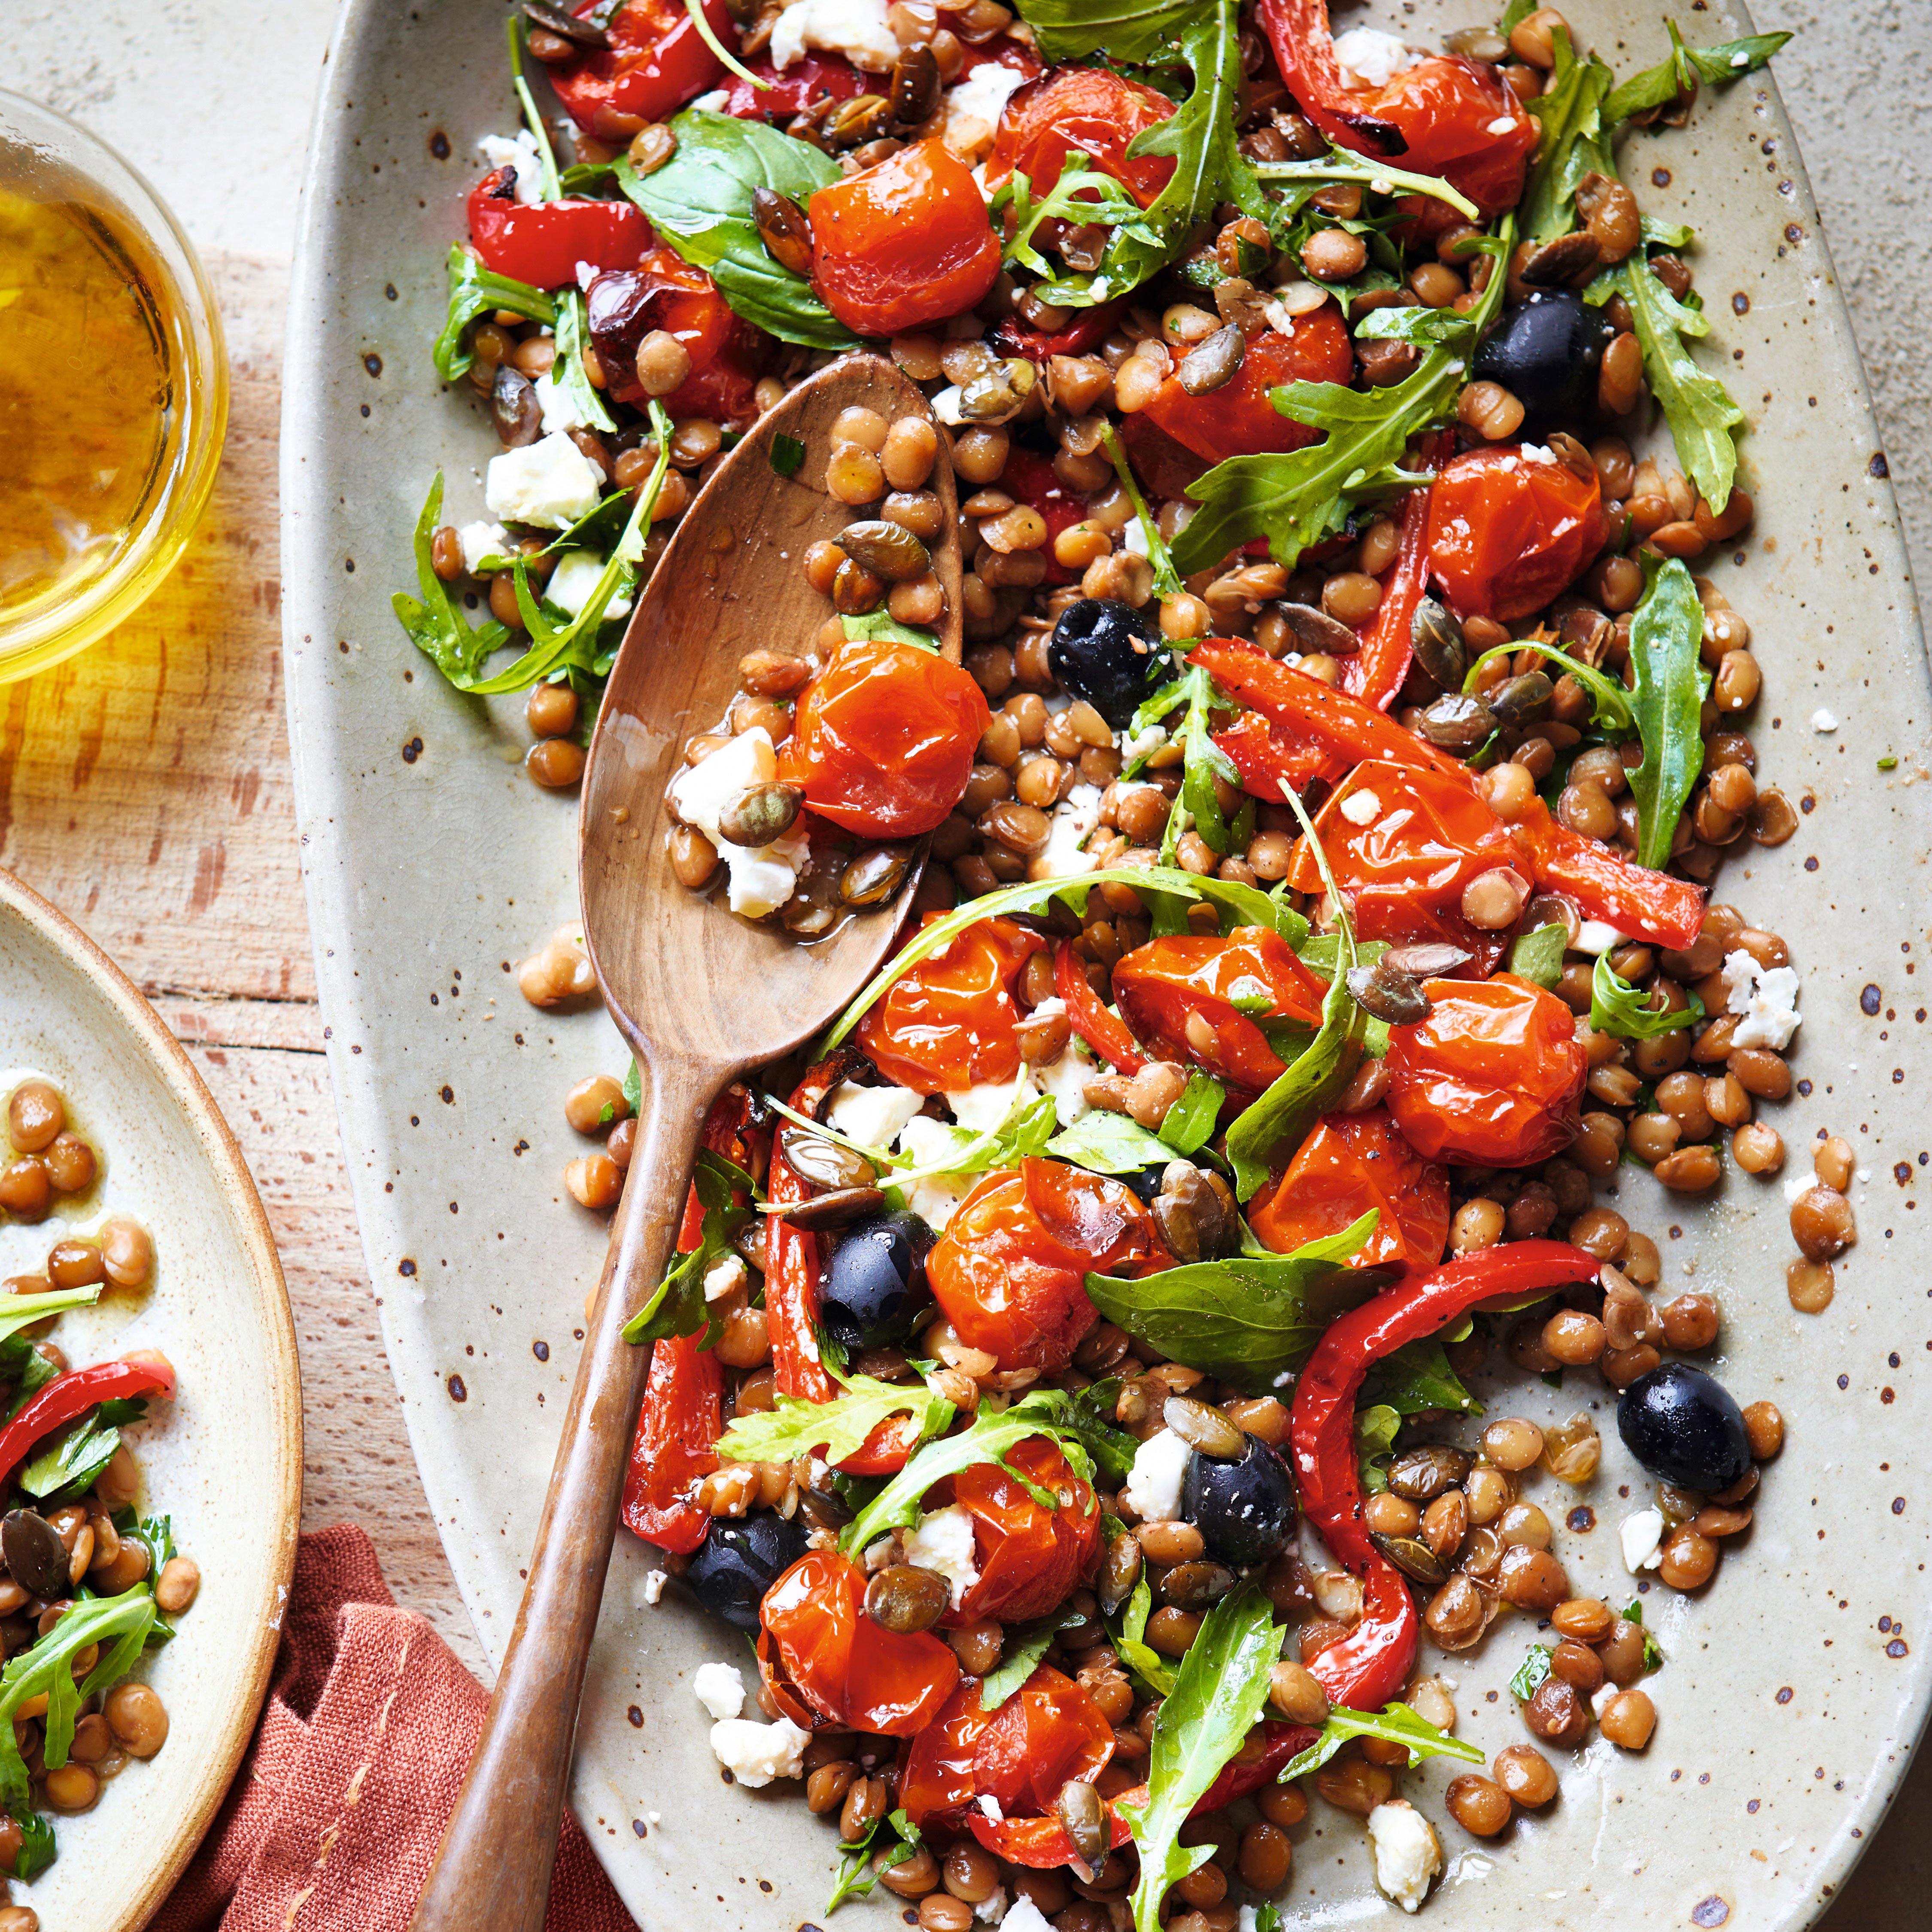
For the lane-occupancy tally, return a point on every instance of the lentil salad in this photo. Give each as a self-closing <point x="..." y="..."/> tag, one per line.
<point x="1484" y="815"/>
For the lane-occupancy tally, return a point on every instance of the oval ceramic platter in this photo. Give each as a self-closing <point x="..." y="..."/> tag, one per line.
<point x="223" y="1460"/>
<point x="1795" y="1688"/>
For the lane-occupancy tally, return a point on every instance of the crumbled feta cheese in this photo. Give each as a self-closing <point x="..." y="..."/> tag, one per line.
<point x="1369" y="58"/>
<point x="1071" y="823"/>
<point x="943" y="1541"/>
<point x="1133" y="538"/>
<point x="574" y="578"/>
<point x="481" y="540"/>
<point x="558" y="406"/>
<point x="1407" y="1853"/>
<point x="872" y="1116"/>
<point x="993" y="1907"/>
<point x="712" y="103"/>
<point x="756" y="1753"/>
<point x="934" y="1198"/>
<point x="762" y="876"/>
<point x="1249" y="1920"/>
<point x="725" y="1277"/>
<point x="1501" y="124"/>
<point x="1766" y="999"/>
<point x="1023" y="1915"/>
<point x="982" y="97"/>
<point x="1139" y="744"/>
<point x="1152" y="1489"/>
<point x="983" y="1109"/>
<point x="1823" y="720"/>
<point x="654" y="1583"/>
<point x="834" y="27"/>
<point x="948" y="406"/>
<point x="1360" y="808"/>
<point x="1063" y="1080"/>
<point x="1593" y="936"/>
<point x="1641" y="1536"/>
<point x="1603" y="1697"/>
<point x="720" y="1689"/>
<point x="518" y="150"/>
<point x="990" y="1805"/>
<point x="549" y="483"/>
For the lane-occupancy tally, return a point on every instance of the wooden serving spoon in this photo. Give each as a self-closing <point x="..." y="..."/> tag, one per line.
<point x="702" y="996"/>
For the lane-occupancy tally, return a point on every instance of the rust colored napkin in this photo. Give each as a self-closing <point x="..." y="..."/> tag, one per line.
<point x="338" y="1809"/>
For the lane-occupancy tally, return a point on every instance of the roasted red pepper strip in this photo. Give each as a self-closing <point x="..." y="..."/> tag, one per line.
<point x="1107" y="1035"/>
<point x="791" y="1262"/>
<point x="543" y="245"/>
<point x="1011" y="337"/>
<point x="682" y="1416"/>
<point x="74" y="1394"/>
<point x="1653" y="907"/>
<point x="1375" y="673"/>
<point x="1369" y="1667"/>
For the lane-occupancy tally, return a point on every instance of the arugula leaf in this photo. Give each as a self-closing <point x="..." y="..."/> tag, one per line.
<point x="1666" y="633"/>
<point x="1202" y="761"/>
<point x="1303" y="1092"/>
<point x="1105" y="1143"/>
<point x="1130" y="1644"/>
<point x="787" y="456"/>
<point x="1082" y="195"/>
<point x="1166" y="583"/>
<point x="1089" y="1417"/>
<point x="835" y="1429"/>
<point x="573" y="337"/>
<point x="1189" y="1124"/>
<point x="1218" y="1694"/>
<point x="881" y="623"/>
<point x="475" y="291"/>
<point x="679" y="1307"/>
<point x="1573" y="141"/>
<point x="1618" y="1007"/>
<point x="1676" y="77"/>
<point x="1338" y="165"/>
<point x="1209" y="168"/>
<point x="1532" y="1673"/>
<point x="1394" y="1723"/>
<point x="1537" y="956"/>
<point x="67" y="1464"/>
<point x="435" y="626"/>
<point x="1699" y="409"/>
<point x="700" y="202"/>
<point x="1267" y="1917"/>
<point x="1376" y="1427"/>
<point x="855" y="1879"/>
<point x="1417" y="1377"/>
<point x="1026" y="1644"/>
<point x="1251" y="1319"/>
<point x="37" y="1849"/>
<point x="553" y="188"/>
<point x="1653" y="1655"/>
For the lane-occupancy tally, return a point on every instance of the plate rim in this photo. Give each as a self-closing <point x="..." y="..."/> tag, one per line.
<point x="270" y="1298"/>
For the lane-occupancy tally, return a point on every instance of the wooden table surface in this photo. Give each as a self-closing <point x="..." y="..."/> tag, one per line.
<point x="145" y="787"/>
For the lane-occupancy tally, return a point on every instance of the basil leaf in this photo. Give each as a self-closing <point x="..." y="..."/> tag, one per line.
<point x="1304" y="1090"/>
<point x="1537" y="956"/>
<point x="1251" y="1319"/>
<point x="1573" y="142"/>
<point x="1618" y="1007"/>
<point x="1417" y="1377"/>
<point x="1105" y="1143"/>
<point x="68" y="1462"/>
<point x="1130" y="1643"/>
<point x="1190" y="1121"/>
<point x="1531" y="1675"/>
<point x="787" y="456"/>
<point x="476" y="291"/>
<point x="679" y="1307"/>
<point x="1376" y="1427"/>
<point x="1394" y="1723"/>
<point x="1658" y="86"/>
<point x="1218" y="1693"/>
<point x="435" y="626"/>
<point x="1026" y="1644"/>
<point x="1666" y="633"/>
<point x="700" y="202"/>
<point x="633" y="1088"/>
<point x="1209" y="168"/>
<point x="881" y="623"/>
<point x="37" y="1849"/>
<point x="835" y="1429"/>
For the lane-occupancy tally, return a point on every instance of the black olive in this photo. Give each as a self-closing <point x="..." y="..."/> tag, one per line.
<point x="1244" y="1510"/>
<point x="1683" y="1426"/>
<point x="35" y="1556"/>
<point x="1144" y="1181"/>
<point x="739" y="1561"/>
<point x="1107" y="652"/>
<point x="1546" y="353"/>
<point x="876" y="1282"/>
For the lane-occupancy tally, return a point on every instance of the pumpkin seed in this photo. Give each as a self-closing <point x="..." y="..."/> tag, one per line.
<point x="36" y="1559"/>
<point x="824" y="1163"/>
<point x="1316" y="631"/>
<point x="783" y="230"/>
<point x="1119" y="1573"/>
<point x="863" y="118"/>
<point x="1512" y="702"/>
<point x="915" y="86"/>
<point x="1560" y="262"/>
<point x="1194" y="1586"/>
<point x="1204" y="1427"/>
<point x="1084" y="1819"/>
<point x="887" y="549"/>
<point x="567" y="26"/>
<point x="1389" y="993"/>
<point x="838" y="1209"/>
<point x="1213" y="363"/>
<point x="996" y="395"/>
<point x="760" y="813"/>
<point x="873" y="876"/>
<point x="1431" y="962"/>
<point x="1437" y="640"/>
<point x="1412" y="1556"/>
<point x="514" y="408"/>
<point x="1421" y="1474"/>
<point x="1455" y="722"/>
<point x="904" y="1598"/>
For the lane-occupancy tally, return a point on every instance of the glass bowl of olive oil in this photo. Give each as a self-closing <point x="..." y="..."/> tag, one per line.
<point x="113" y="388"/>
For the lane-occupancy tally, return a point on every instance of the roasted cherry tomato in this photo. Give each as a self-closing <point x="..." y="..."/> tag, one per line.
<point x="1084" y="108"/>
<point x="1238" y="419"/>
<point x="826" y="1663"/>
<point x="1353" y="1162"/>
<point x="1443" y="116"/>
<point x="1010" y="1270"/>
<point x="1047" y="1733"/>
<point x="1272" y="761"/>
<point x="543" y="245"/>
<point x="657" y="60"/>
<point x="1493" y="1075"/>
<point x="904" y="245"/>
<point x="1508" y="530"/>
<point x="665" y="292"/>
<point x="811" y="80"/>
<point x="1403" y="843"/>
<point x="1028" y="1557"/>
<point x="951" y="1022"/>
<point x="1031" y="479"/>
<point x="1180" y="996"/>
<point x="883" y="739"/>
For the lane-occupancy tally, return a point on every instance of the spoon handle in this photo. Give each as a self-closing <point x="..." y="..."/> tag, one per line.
<point x="494" y="1866"/>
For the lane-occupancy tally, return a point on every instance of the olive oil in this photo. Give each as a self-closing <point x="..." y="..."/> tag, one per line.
<point x="89" y="400"/>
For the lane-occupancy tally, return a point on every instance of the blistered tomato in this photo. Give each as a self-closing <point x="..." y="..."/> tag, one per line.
<point x="904" y="245"/>
<point x="883" y="737"/>
<point x="542" y="245"/>
<point x="656" y="62"/>
<point x="1020" y="1756"/>
<point x="825" y="1662"/>
<point x="1403" y="843"/>
<point x="952" y="1022"/>
<point x="1238" y="419"/>
<point x="1180" y="994"/>
<point x="1352" y="1164"/>
<point x="1086" y="109"/>
<point x="1508" y="530"/>
<point x="665" y="292"/>
<point x="1010" y="1270"/>
<point x="1029" y="1557"/>
<point x="1492" y="1076"/>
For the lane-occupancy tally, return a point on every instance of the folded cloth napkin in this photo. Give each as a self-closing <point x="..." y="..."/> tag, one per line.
<point x="336" y="1813"/>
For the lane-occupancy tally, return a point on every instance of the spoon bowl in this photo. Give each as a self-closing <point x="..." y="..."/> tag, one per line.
<point x="701" y="996"/>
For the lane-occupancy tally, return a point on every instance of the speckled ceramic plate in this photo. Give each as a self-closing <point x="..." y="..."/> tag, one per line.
<point x="1795" y="1688"/>
<point x="224" y="1458"/>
